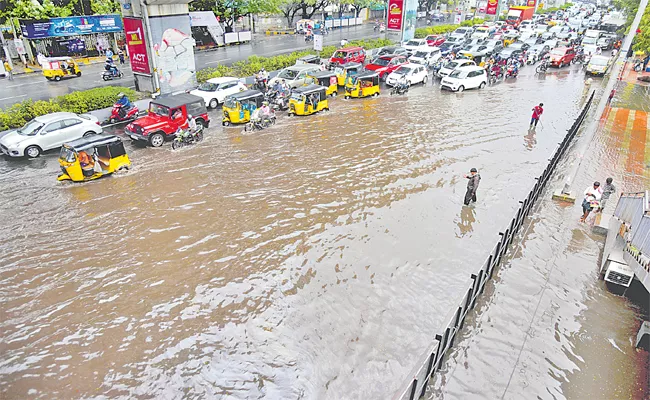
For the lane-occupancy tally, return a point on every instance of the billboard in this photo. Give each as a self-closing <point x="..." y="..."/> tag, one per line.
<point x="69" y="26"/>
<point x="395" y="14"/>
<point x="173" y="51"/>
<point x="136" y="45"/>
<point x="492" y="6"/>
<point x="203" y="18"/>
<point x="410" y="18"/>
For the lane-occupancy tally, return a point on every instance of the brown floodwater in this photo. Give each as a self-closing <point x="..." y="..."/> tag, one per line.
<point x="315" y="259"/>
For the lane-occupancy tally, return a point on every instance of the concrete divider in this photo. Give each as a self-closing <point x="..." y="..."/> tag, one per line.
<point x="104" y="113"/>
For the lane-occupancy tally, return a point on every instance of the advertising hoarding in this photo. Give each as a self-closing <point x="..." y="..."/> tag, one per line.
<point x="69" y="26"/>
<point x="173" y="50"/>
<point x="410" y="18"/>
<point x="395" y="14"/>
<point x="136" y="45"/>
<point x="492" y="7"/>
<point x="203" y="18"/>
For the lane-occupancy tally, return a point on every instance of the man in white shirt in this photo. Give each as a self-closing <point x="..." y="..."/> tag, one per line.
<point x="592" y="193"/>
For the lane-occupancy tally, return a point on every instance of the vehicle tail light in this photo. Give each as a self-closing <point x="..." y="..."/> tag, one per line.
<point x="98" y="123"/>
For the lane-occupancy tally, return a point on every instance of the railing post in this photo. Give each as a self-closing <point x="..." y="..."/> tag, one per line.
<point x="415" y="385"/>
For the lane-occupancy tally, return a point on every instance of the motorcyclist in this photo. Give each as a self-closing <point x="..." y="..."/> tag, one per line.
<point x="124" y="103"/>
<point x="191" y="124"/>
<point x="261" y="78"/>
<point x="402" y="83"/>
<point x="277" y="86"/>
<point x="110" y="67"/>
<point x="286" y="90"/>
<point x="266" y="111"/>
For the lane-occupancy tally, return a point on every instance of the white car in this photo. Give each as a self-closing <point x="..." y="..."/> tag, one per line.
<point x="427" y="56"/>
<point x="452" y="65"/>
<point x="482" y="32"/>
<point x="414" y="45"/>
<point x="215" y="90"/>
<point x="414" y="73"/>
<point x="469" y="77"/>
<point x="598" y="65"/>
<point x="464" y="31"/>
<point x="47" y="132"/>
<point x="295" y="75"/>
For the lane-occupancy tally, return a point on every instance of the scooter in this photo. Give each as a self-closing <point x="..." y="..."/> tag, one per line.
<point x="262" y="124"/>
<point x="400" y="89"/>
<point x="110" y="75"/>
<point x="277" y="100"/>
<point x="512" y="71"/>
<point x="128" y="115"/>
<point x="532" y="59"/>
<point x="543" y="66"/>
<point x="638" y="65"/>
<point x="185" y="137"/>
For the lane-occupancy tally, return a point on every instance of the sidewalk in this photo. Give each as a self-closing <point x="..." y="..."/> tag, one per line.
<point x="35" y="68"/>
<point x="548" y="327"/>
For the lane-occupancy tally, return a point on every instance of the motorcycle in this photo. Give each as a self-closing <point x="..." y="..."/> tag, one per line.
<point x="399" y="89"/>
<point x="110" y="75"/>
<point x="260" y="84"/>
<point x="532" y="59"/>
<point x="542" y="67"/>
<point x="496" y="73"/>
<point x="512" y="72"/>
<point x="277" y="100"/>
<point x="579" y="59"/>
<point x="638" y="65"/>
<point x="261" y="124"/>
<point x="118" y="114"/>
<point x="309" y="38"/>
<point x="185" y="138"/>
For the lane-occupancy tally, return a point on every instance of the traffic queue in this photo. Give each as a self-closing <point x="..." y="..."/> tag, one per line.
<point x="468" y="58"/>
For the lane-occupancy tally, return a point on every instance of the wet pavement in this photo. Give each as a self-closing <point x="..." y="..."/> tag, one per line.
<point x="315" y="259"/>
<point x="35" y="86"/>
<point x="548" y="326"/>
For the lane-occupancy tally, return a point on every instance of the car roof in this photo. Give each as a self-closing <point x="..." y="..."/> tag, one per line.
<point x="301" y="67"/>
<point x="177" y="100"/>
<point x="222" y="79"/>
<point x="55" y="116"/>
<point x="322" y="74"/>
<point x="599" y="57"/>
<point x="470" y="68"/>
<point x="309" y="89"/>
<point x="91" y="141"/>
<point x="390" y="56"/>
<point x="346" y="49"/>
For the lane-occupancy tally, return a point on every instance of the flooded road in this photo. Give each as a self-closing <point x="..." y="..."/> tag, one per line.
<point x="315" y="259"/>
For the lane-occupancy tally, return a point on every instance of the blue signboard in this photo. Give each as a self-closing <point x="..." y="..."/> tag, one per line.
<point x="69" y="26"/>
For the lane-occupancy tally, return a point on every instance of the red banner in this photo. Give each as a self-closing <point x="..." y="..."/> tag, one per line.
<point x="531" y="3"/>
<point x="136" y="45"/>
<point x="395" y="13"/>
<point x="492" y="6"/>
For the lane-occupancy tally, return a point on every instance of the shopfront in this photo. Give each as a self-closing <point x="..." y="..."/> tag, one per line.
<point x="80" y="36"/>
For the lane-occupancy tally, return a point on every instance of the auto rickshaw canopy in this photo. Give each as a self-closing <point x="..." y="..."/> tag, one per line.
<point x="246" y="95"/>
<point x="51" y="63"/>
<point x="310" y="89"/>
<point x="92" y="141"/>
<point x="366" y="76"/>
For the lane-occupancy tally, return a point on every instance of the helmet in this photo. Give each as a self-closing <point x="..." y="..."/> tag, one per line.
<point x="119" y="96"/>
<point x="541" y="104"/>
<point x="266" y="103"/>
<point x="189" y="116"/>
<point x="473" y="170"/>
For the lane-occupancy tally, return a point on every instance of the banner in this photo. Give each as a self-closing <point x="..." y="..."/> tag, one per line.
<point x="136" y="45"/>
<point x="410" y="18"/>
<point x="203" y="18"/>
<point x="173" y="49"/>
<point x="492" y="6"/>
<point x="395" y="13"/>
<point x="69" y="26"/>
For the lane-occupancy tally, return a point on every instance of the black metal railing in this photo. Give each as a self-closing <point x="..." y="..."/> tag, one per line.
<point x="433" y="358"/>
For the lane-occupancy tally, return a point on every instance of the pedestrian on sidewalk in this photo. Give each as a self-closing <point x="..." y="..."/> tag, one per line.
<point x="608" y="190"/>
<point x="611" y="95"/>
<point x="472" y="184"/>
<point x="10" y="71"/>
<point x="120" y="54"/>
<point x="593" y="194"/>
<point x="537" y="112"/>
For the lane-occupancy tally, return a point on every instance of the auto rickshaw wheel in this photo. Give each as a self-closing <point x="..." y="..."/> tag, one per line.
<point x="57" y="78"/>
<point x="334" y="94"/>
<point x="375" y="94"/>
<point x="347" y="97"/>
<point x="225" y="123"/>
<point x="78" y="74"/>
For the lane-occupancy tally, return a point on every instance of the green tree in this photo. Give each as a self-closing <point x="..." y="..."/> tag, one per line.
<point x="229" y="11"/>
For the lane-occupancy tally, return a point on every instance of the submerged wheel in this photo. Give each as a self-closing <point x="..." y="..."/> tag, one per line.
<point x="375" y="94"/>
<point x="425" y="80"/>
<point x="88" y="134"/>
<point x="177" y="144"/>
<point x="347" y="97"/>
<point x="57" y="78"/>
<point x="199" y="136"/>
<point x="157" y="139"/>
<point x="225" y="123"/>
<point x="482" y="85"/>
<point x="461" y="89"/>
<point x="334" y="94"/>
<point x="33" y="151"/>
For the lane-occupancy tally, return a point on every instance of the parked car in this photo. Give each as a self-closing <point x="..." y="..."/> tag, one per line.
<point x="435" y="40"/>
<point x="215" y="90"/>
<point x="456" y="40"/>
<point x="448" y="47"/>
<point x="562" y="56"/>
<point x="295" y="75"/>
<point x="384" y="65"/>
<point x="482" y="32"/>
<point x="540" y="29"/>
<point x="532" y="41"/>
<point x="519" y="46"/>
<point x="598" y="65"/>
<point x="552" y="43"/>
<point x="547" y="36"/>
<point x="165" y="116"/>
<point x="415" y="44"/>
<point x="494" y="46"/>
<point x="468" y="77"/>
<point x="474" y="42"/>
<point x="414" y="73"/>
<point x="48" y="132"/>
<point x="426" y="57"/>
<point x="392" y="50"/>
<point x="464" y="31"/>
<point x="452" y="65"/>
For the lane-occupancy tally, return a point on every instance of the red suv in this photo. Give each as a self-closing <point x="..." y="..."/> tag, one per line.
<point x="435" y="40"/>
<point x="561" y="56"/>
<point x="165" y="116"/>
<point x="384" y="65"/>
<point x="348" y="55"/>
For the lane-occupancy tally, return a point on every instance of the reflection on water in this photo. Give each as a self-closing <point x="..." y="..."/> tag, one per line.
<point x="530" y="140"/>
<point x="297" y="262"/>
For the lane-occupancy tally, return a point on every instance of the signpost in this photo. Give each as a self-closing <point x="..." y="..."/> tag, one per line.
<point x="318" y="43"/>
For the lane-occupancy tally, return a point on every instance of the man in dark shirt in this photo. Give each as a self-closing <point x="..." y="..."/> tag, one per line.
<point x="472" y="184"/>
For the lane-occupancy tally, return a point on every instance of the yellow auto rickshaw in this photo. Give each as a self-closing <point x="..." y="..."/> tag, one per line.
<point x="237" y="108"/>
<point x="509" y="39"/>
<point x="307" y="100"/>
<point x="345" y="71"/>
<point x="324" y="78"/>
<point x="363" y="85"/>
<point x="92" y="157"/>
<point x="55" y="68"/>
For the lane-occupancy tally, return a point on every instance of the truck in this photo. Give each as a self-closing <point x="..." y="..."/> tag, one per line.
<point x="516" y="14"/>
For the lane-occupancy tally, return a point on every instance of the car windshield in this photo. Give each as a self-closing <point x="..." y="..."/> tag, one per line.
<point x="386" y="50"/>
<point x="557" y="52"/>
<point x="413" y="43"/>
<point x="516" y="46"/>
<point x="340" y="54"/>
<point x="230" y="102"/>
<point x="458" y="74"/>
<point x="31" y="128"/>
<point x="598" y="61"/>
<point x="381" y="62"/>
<point x="402" y="71"/>
<point x="588" y="40"/>
<point x="421" y="54"/>
<point x="288" y="74"/>
<point x="158" y="109"/>
<point x="297" y="96"/>
<point x="451" y="64"/>
<point x="208" y="87"/>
